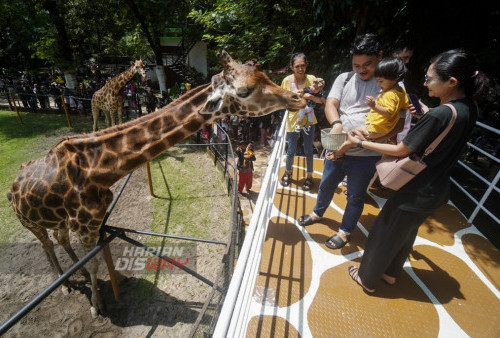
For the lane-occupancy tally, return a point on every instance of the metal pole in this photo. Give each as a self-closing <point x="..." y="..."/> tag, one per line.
<point x="111" y="269"/>
<point x="165" y="235"/>
<point x="484" y="198"/>
<point x="226" y="156"/>
<point x="168" y="259"/>
<point x="15" y="108"/>
<point x="66" y="111"/>
<point x="117" y="196"/>
<point x="150" y="181"/>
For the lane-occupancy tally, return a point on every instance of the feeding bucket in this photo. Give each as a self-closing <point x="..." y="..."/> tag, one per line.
<point x="331" y="141"/>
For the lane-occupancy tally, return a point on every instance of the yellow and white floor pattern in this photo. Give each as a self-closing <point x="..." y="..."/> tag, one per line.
<point x="450" y="287"/>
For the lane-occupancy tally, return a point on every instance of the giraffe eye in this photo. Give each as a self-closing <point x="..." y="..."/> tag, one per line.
<point x="244" y="92"/>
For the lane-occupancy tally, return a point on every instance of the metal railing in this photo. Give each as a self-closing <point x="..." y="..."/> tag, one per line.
<point x="490" y="183"/>
<point x="231" y="321"/>
<point x="76" y="102"/>
<point x="226" y="265"/>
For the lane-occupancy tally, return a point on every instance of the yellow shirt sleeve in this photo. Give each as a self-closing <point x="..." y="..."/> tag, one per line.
<point x="393" y="100"/>
<point x="294" y="114"/>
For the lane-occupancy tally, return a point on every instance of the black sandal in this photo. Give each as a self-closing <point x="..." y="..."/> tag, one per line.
<point x="338" y="241"/>
<point x="306" y="220"/>
<point x="308" y="184"/>
<point x="285" y="179"/>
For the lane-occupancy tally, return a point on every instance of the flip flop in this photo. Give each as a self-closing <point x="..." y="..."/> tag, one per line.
<point x="354" y="273"/>
<point x="306" y="220"/>
<point x="338" y="241"/>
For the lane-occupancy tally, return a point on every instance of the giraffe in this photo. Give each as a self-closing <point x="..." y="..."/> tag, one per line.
<point x="68" y="189"/>
<point x="108" y="99"/>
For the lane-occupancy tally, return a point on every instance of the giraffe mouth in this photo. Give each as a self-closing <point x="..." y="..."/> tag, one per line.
<point x="296" y="102"/>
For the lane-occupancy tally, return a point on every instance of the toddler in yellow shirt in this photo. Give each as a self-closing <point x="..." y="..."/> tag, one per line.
<point x="385" y="110"/>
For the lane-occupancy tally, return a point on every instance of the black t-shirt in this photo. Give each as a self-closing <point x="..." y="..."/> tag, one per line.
<point x="430" y="189"/>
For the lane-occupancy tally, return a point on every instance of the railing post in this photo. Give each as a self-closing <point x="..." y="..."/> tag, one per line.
<point x="484" y="198"/>
<point x="226" y="146"/>
<point x="66" y="111"/>
<point x="15" y="108"/>
<point x="150" y="182"/>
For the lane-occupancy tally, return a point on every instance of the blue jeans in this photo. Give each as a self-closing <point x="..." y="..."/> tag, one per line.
<point x="359" y="171"/>
<point x="291" y="139"/>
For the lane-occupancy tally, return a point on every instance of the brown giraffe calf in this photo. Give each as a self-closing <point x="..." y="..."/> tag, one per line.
<point x="68" y="189"/>
<point x="108" y="99"/>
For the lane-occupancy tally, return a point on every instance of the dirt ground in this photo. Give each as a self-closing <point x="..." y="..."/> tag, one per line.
<point x="158" y="306"/>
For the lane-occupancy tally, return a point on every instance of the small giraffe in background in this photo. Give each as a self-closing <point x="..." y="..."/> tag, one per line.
<point x="68" y="189"/>
<point x="108" y="98"/>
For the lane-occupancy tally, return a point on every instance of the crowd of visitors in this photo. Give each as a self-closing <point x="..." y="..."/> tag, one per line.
<point x="260" y="130"/>
<point x="44" y="91"/>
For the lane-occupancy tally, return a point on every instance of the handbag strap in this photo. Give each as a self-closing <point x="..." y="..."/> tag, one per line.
<point x="436" y="142"/>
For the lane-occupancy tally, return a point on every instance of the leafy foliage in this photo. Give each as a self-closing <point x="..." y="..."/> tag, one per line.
<point x="268" y="31"/>
<point x="71" y="31"/>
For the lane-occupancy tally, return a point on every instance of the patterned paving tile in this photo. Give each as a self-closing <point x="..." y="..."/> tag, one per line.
<point x="450" y="287"/>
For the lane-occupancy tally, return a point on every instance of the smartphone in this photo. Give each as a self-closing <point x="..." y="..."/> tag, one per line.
<point x="415" y="102"/>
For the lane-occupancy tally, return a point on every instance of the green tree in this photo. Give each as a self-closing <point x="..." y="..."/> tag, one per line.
<point x="70" y="32"/>
<point x="19" y="26"/>
<point x="268" y="31"/>
<point x="67" y="32"/>
<point x="325" y="29"/>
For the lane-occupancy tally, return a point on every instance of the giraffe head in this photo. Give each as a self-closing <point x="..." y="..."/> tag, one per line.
<point x="243" y="89"/>
<point x="139" y="68"/>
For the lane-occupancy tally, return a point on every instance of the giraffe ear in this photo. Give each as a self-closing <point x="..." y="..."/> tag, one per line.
<point x="215" y="99"/>
<point x="213" y="104"/>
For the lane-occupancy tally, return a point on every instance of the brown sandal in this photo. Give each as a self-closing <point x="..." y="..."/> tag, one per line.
<point x="308" y="184"/>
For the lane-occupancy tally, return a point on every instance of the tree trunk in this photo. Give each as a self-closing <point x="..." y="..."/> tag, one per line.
<point x="154" y="42"/>
<point x="62" y="35"/>
<point x="160" y="74"/>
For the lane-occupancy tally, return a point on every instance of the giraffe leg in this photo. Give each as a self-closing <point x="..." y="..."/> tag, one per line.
<point x="119" y="111"/>
<point x="109" y="120"/>
<point x="112" y="114"/>
<point x="95" y="114"/>
<point x="62" y="237"/>
<point x="48" y="246"/>
<point x="93" y="266"/>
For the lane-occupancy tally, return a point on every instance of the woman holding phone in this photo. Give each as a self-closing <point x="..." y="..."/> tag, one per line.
<point x="453" y="78"/>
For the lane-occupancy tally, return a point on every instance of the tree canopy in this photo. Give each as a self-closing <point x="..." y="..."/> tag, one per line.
<point x="324" y="30"/>
<point x="65" y="33"/>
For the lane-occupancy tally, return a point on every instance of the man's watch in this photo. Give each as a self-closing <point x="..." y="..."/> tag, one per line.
<point x="335" y="122"/>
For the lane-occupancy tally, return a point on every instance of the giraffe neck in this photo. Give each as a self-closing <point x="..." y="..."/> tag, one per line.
<point x="108" y="156"/>
<point x="121" y="80"/>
